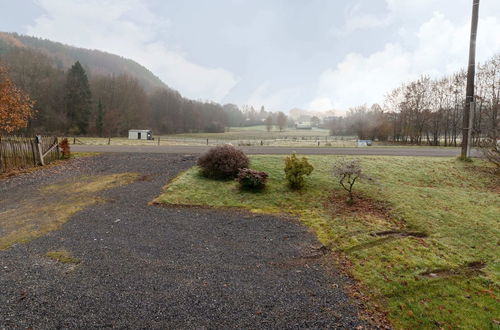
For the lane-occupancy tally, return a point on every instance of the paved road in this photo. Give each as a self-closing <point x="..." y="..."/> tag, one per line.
<point x="380" y="151"/>
<point x="154" y="267"/>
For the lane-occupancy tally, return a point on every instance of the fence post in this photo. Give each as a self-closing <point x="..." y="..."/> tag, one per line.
<point x="33" y="147"/>
<point x="38" y="141"/>
<point x="158" y="140"/>
<point x="56" y="140"/>
<point x="207" y="142"/>
<point x="1" y="156"/>
<point x="74" y="140"/>
<point x="109" y="140"/>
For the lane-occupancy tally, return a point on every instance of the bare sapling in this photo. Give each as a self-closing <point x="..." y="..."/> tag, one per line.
<point x="348" y="173"/>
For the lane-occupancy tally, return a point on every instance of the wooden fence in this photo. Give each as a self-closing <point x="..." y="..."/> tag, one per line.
<point x="22" y="152"/>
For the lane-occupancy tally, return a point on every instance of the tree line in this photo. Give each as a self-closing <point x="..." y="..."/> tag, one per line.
<point x="78" y="101"/>
<point x="429" y="111"/>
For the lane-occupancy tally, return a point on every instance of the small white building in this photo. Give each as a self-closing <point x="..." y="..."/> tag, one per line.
<point x="303" y="125"/>
<point x="140" y="134"/>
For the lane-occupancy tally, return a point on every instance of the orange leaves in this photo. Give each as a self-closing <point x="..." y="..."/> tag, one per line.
<point x="16" y="108"/>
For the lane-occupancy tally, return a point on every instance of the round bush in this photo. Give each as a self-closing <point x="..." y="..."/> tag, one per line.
<point x="223" y="162"/>
<point x="252" y="179"/>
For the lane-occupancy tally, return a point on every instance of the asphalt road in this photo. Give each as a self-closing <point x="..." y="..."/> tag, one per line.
<point x="373" y="151"/>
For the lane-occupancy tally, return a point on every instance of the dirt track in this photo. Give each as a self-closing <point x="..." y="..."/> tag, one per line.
<point x="379" y="151"/>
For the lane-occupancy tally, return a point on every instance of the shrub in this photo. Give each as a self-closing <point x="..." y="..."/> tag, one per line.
<point x="222" y="162"/>
<point x="348" y="172"/>
<point x="491" y="151"/>
<point x="252" y="179"/>
<point x="65" y="149"/>
<point x="296" y="169"/>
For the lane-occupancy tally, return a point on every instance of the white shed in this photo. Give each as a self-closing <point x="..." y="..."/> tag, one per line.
<point x="303" y="125"/>
<point x="140" y="134"/>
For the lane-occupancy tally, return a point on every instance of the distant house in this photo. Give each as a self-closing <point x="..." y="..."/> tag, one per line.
<point x="303" y="125"/>
<point x="140" y="134"/>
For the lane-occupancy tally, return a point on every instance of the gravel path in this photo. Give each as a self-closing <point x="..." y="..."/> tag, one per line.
<point x="367" y="151"/>
<point x="145" y="267"/>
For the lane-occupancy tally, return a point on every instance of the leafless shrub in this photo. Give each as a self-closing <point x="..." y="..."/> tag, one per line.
<point x="348" y="173"/>
<point x="491" y="151"/>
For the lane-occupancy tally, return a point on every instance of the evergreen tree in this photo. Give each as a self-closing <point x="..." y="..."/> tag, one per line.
<point x="99" y="123"/>
<point x="78" y="99"/>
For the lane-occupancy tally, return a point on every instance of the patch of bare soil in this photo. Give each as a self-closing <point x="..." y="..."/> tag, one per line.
<point x="469" y="269"/>
<point x="362" y="205"/>
<point x="418" y="234"/>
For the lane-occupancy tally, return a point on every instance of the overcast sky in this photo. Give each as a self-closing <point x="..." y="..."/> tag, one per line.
<point x="312" y="54"/>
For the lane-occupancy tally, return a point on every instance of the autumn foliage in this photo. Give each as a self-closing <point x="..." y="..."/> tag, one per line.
<point x="65" y="148"/>
<point x="16" y="108"/>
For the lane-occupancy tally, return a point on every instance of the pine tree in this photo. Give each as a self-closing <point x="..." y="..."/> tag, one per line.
<point x="78" y="99"/>
<point x="99" y="124"/>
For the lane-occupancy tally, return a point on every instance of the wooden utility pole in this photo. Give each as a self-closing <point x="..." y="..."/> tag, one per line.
<point x="471" y="71"/>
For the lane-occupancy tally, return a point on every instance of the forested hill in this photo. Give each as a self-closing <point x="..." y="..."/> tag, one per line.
<point x="97" y="62"/>
<point x="88" y="92"/>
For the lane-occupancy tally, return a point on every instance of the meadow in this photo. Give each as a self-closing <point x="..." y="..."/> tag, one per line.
<point x="239" y="136"/>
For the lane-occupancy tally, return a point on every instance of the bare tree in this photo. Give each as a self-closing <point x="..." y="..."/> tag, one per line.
<point x="348" y="173"/>
<point x="281" y="120"/>
<point x="269" y="123"/>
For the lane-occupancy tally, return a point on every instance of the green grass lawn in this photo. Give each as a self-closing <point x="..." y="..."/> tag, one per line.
<point x="447" y="275"/>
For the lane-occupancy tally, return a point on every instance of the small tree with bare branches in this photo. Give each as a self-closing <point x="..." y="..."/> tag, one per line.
<point x="348" y="173"/>
<point x="491" y="152"/>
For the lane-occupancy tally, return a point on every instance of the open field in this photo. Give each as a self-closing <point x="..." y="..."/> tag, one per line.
<point x="240" y="136"/>
<point x="245" y="136"/>
<point x="422" y="241"/>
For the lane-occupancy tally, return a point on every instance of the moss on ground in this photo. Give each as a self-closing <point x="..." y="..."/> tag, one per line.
<point x="424" y="280"/>
<point x="63" y="256"/>
<point x="51" y="206"/>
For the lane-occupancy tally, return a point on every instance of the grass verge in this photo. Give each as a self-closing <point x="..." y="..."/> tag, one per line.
<point x="423" y="241"/>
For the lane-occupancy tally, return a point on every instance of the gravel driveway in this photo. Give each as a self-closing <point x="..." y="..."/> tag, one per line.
<point x="146" y="267"/>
